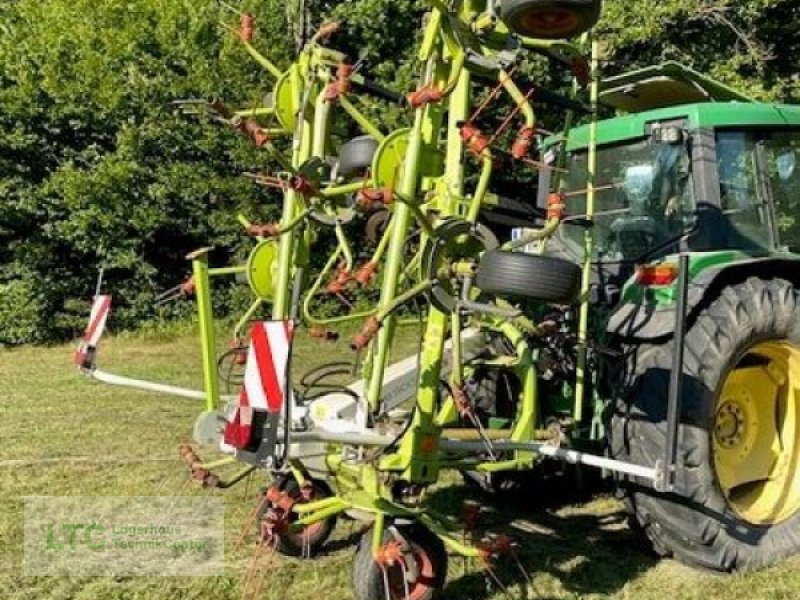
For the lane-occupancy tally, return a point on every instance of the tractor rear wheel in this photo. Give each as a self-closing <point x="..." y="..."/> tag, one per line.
<point x="737" y="500"/>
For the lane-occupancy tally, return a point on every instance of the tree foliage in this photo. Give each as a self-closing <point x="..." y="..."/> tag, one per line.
<point x="96" y="168"/>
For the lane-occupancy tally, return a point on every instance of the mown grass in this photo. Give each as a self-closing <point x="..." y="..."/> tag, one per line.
<point x="61" y="434"/>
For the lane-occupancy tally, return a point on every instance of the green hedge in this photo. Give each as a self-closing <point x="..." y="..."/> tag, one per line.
<point x="97" y="170"/>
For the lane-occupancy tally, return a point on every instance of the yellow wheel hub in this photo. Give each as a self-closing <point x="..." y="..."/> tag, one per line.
<point x="756" y="434"/>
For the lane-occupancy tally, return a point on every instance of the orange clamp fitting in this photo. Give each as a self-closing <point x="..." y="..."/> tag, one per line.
<point x="188" y="455"/>
<point x="187" y="287"/>
<point x="555" y="206"/>
<point x="389" y="554"/>
<point x="253" y="130"/>
<point x="326" y="30"/>
<point x="302" y="186"/>
<point x="342" y="84"/>
<point x="461" y="401"/>
<point x="263" y="230"/>
<point x="246" y="23"/>
<point x="425" y="95"/>
<point x="366" y="273"/>
<point x="323" y="333"/>
<point x="273" y="494"/>
<point x="522" y="145"/>
<point x="216" y="104"/>
<point x="581" y="70"/>
<point x="495" y="545"/>
<point x="340" y="281"/>
<point x="371" y="327"/>
<point x="239" y="349"/>
<point x="368" y="197"/>
<point x="474" y="138"/>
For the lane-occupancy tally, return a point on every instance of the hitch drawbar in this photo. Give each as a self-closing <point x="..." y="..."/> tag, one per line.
<point x="654" y="474"/>
<point x="86" y="357"/>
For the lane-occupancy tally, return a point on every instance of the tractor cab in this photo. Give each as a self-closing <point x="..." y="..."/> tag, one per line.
<point x="698" y="177"/>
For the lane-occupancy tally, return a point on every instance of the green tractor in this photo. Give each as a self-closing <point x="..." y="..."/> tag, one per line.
<point x="680" y="240"/>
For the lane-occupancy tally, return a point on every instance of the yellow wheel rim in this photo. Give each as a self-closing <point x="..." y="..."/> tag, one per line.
<point x="756" y="434"/>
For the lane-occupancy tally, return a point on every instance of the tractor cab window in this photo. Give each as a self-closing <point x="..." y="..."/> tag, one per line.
<point x="744" y="222"/>
<point x="643" y="198"/>
<point x="783" y="171"/>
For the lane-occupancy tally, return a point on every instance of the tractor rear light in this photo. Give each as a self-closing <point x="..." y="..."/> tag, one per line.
<point x="656" y="274"/>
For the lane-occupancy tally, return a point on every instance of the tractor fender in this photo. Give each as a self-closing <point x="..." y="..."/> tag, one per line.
<point x="642" y="321"/>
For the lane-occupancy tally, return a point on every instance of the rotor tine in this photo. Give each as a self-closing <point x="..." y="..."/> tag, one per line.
<point x="262" y="576"/>
<point x="522" y="568"/>
<point x="487" y="443"/>
<point x="344" y="301"/>
<point x="166" y="293"/>
<point x="180" y="101"/>
<point x="251" y="568"/>
<point x="167" y="299"/>
<point x="494" y="577"/>
<point x="250" y="521"/>
<point x="385" y="582"/>
<point x="405" y="579"/>
<point x="247" y="482"/>
<point x="227" y="6"/>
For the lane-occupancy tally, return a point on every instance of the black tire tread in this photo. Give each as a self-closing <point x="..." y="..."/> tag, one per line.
<point x="588" y="11"/>
<point x="367" y="578"/>
<point x="519" y="274"/>
<point x="356" y="155"/>
<point x="696" y="526"/>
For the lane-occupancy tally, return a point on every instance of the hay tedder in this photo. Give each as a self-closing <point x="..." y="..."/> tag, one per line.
<point x="642" y="318"/>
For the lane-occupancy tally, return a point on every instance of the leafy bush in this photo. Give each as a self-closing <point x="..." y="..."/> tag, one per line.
<point x="96" y="170"/>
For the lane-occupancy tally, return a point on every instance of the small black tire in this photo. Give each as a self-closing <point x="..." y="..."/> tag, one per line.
<point x="519" y="274"/>
<point x="698" y="524"/>
<point x="355" y="155"/>
<point x="308" y="542"/>
<point x="550" y="19"/>
<point x="431" y="558"/>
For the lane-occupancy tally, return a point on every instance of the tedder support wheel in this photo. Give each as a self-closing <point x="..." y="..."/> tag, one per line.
<point x="523" y="275"/>
<point x="737" y="500"/>
<point x="550" y="19"/>
<point x="412" y="565"/>
<point x="308" y="541"/>
<point x="356" y="155"/>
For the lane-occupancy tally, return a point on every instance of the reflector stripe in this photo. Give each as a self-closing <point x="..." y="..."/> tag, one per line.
<point x="265" y="360"/>
<point x="243" y="399"/>
<point x="265" y="371"/>
<point x="253" y="388"/>
<point x="98" y="316"/>
<point x="97" y="319"/>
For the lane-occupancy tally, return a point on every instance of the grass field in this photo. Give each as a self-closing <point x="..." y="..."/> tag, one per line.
<point x="61" y="434"/>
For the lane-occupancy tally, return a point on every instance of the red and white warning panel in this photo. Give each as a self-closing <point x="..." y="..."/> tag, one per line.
<point x="253" y="424"/>
<point x="101" y="307"/>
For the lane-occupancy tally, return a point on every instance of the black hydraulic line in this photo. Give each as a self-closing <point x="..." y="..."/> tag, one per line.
<point x="377" y="90"/>
<point x="676" y="376"/>
<point x="553" y="99"/>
